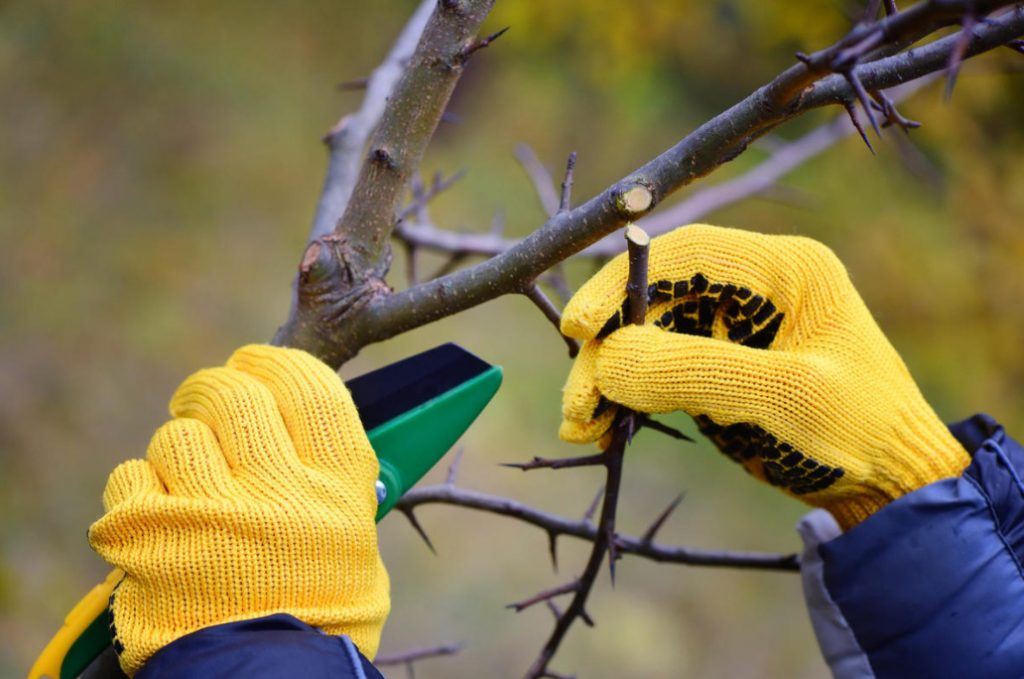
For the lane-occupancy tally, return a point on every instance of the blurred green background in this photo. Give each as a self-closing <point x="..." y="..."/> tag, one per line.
<point x="159" y="166"/>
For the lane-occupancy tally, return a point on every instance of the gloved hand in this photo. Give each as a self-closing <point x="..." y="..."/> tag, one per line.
<point x="766" y="343"/>
<point x="257" y="498"/>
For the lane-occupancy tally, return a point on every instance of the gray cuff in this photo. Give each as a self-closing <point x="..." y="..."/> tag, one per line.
<point x="835" y="638"/>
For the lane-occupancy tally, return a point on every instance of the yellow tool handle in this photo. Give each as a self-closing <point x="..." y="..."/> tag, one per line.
<point x="48" y="664"/>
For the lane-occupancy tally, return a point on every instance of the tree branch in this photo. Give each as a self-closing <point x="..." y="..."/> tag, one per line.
<point x="584" y="529"/>
<point x="714" y="143"/>
<point x="342" y="273"/>
<point x="347" y="139"/>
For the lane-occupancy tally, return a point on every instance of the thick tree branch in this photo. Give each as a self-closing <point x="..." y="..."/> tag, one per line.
<point x="714" y="143"/>
<point x="347" y="139"/>
<point x="342" y="273"/>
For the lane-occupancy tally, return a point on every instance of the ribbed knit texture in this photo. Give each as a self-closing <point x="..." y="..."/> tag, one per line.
<point x="765" y="341"/>
<point x="256" y="498"/>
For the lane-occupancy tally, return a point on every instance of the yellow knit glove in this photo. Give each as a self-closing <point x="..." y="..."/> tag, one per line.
<point x="257" y="498"/>
<point x="766" y="343"/>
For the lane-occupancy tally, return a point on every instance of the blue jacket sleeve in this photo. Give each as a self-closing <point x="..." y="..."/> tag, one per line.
<point x="267" y="648"/>
<point x="932" y="584"/>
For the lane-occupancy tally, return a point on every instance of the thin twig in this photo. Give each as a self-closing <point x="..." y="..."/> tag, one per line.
<point x="537" y="296"/>
<point x="346" y="143"/>
<point x="623" y="427"/>
<point x="558" y="462"/>
<point x="584" y="529"/>
<point x="543" y="183"/>
<point x="416" y="654"/>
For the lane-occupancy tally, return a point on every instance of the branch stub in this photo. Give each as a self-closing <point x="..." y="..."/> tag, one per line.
<point x="634" y="201"/>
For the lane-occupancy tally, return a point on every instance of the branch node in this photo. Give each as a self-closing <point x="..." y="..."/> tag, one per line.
<point x="382" y="156"/>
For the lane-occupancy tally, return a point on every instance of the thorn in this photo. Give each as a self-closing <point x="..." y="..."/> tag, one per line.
<point x="862" y="96"/>
<point x="453" y="470"/>
<point x="886" y="106"/>
<point x="648" y="536"/>
<point x="409" y="514"/>
<point x="890" y="8"/>
<point x="1016" y="46"/>
<point x="956" y="56"/>
<point x="803" y="59"/>
<point x="648" y="422"/>
<point x="852" y="112"/>
<point x="585" y="617"/>
<point x="570" y="165"/>
<point x="467" y="52"/>
<point x="592" y="509"/>
<point x="613" y="552"/>
<point x="354" y="84"/>
<point x="553" y="549"/>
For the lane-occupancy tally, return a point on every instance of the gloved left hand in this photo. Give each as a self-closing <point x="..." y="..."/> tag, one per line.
<point x="257" y="498"/>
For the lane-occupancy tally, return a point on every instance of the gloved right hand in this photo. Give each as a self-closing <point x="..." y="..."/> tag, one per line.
<point x="766" y="343"/>
<point x="257" y="498"/>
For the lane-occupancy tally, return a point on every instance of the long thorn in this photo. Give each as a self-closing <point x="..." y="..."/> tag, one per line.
<point x="409" y="514"/>
<point x="862" y="96"/>
<point x="956" y="56"/>
<point x="648" y="422"/>
<point x="852" y="112"/>
<point x="648" y="536"/>
<point x="553" y="549"/>
<point x="466" y="53"/>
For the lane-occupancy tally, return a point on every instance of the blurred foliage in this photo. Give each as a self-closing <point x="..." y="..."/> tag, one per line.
<point x="158" y="172"/>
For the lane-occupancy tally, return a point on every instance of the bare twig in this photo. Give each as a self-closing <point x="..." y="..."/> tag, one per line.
<point x="543" y="183"/>
<point x="537" y="296"/>
<point x="409" y="658"/>
<point x="424" y="195"/>
<point x="623" y="428"/>
<point x="584" y="529"/>
<point x="558" y="462"/>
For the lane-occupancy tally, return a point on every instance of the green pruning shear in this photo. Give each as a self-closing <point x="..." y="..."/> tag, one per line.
<point x="413" y="411"/>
